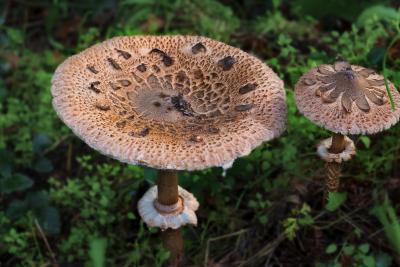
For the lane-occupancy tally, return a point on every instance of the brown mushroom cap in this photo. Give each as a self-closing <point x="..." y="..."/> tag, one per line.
<point x="347" y="99"/>
<point x="169" y="102"/>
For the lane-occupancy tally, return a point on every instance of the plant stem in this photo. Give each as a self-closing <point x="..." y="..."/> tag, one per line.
<point x="167" y="186"/>
<point x="46" y="242"/>
<point x="334" y="169"/>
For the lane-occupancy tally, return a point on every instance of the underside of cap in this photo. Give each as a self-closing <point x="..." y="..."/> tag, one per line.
<point x="169" y="102"/>
<point x="347" y="99"/>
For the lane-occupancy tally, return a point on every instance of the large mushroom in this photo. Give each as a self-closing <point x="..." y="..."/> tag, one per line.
<point x="170" y="103"/>
<point x="345" y="99"/>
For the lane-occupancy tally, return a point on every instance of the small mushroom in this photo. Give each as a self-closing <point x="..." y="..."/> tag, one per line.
<point x="345" y="99"/>
<point x="166" y="117"/>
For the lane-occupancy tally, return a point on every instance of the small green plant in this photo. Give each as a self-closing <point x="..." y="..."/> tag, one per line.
<point x="97" y="251"/>
<point x="335" y="200"/>
<point x="300" y="217"/>
<point x="396" y="38"/>
<point x="386" y="215"/>
<point x="260" y="205"/>
<point x="356" y="255"/>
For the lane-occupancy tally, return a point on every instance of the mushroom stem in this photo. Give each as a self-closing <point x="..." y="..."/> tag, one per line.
<point x="173" y="242"/>
<point x="333" y="173"/>
<point x="334" y="169"/>
<point x="338" y="143"/>
<point x="167" y="187"/>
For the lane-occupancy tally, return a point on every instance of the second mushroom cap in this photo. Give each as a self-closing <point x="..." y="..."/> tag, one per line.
<point x="347" y="99"/>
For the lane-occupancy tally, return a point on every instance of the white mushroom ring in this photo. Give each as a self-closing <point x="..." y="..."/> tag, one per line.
<point x="345" y="155"/>
<point x="174" y="216"/>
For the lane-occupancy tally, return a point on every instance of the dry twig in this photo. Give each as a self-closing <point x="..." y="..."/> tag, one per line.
<point x="46" y="242"/>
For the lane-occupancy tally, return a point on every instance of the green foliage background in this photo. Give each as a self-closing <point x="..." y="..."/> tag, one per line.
<point x="268" y="209"/>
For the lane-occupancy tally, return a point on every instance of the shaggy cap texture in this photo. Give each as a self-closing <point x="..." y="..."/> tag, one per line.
<point x="347" y="99"/>
<point x="169" y="102"/>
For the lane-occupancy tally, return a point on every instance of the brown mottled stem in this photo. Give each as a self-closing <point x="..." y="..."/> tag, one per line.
<point x="167" y="186"/>
<point x="333" y="168"/>
<point x="333" y="173"/>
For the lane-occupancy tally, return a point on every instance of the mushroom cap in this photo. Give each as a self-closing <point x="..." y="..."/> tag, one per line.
<point x="347" y="99"/>
<point x="169" y="102"/>
<point x="174" y="216"/>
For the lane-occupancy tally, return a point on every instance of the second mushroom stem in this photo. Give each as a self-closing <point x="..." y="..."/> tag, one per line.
<point x="167" y="187"/>
<point x="333" y="168"/>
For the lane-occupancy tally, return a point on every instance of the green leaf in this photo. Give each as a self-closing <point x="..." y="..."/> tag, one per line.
<point x="358" y="232"/>
<point x="386" y="214"/>
<point x="55" y="44"/>
<point x="252" y="204"/>
<point x="40" y="142"/>
<point x="368" y="261"/>
<point x="276" y="3"/>
<point x="15" y="35"/>
<point x="364" y="248"/>
<point x="348" y="250"/>
<point x="306" y="220"/>
<point x="335" y="200"/>
<point x="163" y="255"/>
<point x="16" y="209"/>
<point x="131" y="216"/>
<point x="43" y="165"/>
<point x="379" y="12"/>
<point x="332" y="248"/>
<point x="383" y="260"/>
<point x="37" y="200"/>
<point x="97" y="251"/>
<point x="6" y="163"/>
<point x="134" y="256"/>
<point x="17" y="182"/>
<point x="263" y="219"/>
<point x="3" y="91"/>
<point x="375" y="56"/>
<point x="49" y="220"/>
<point x="366" y="141"/>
